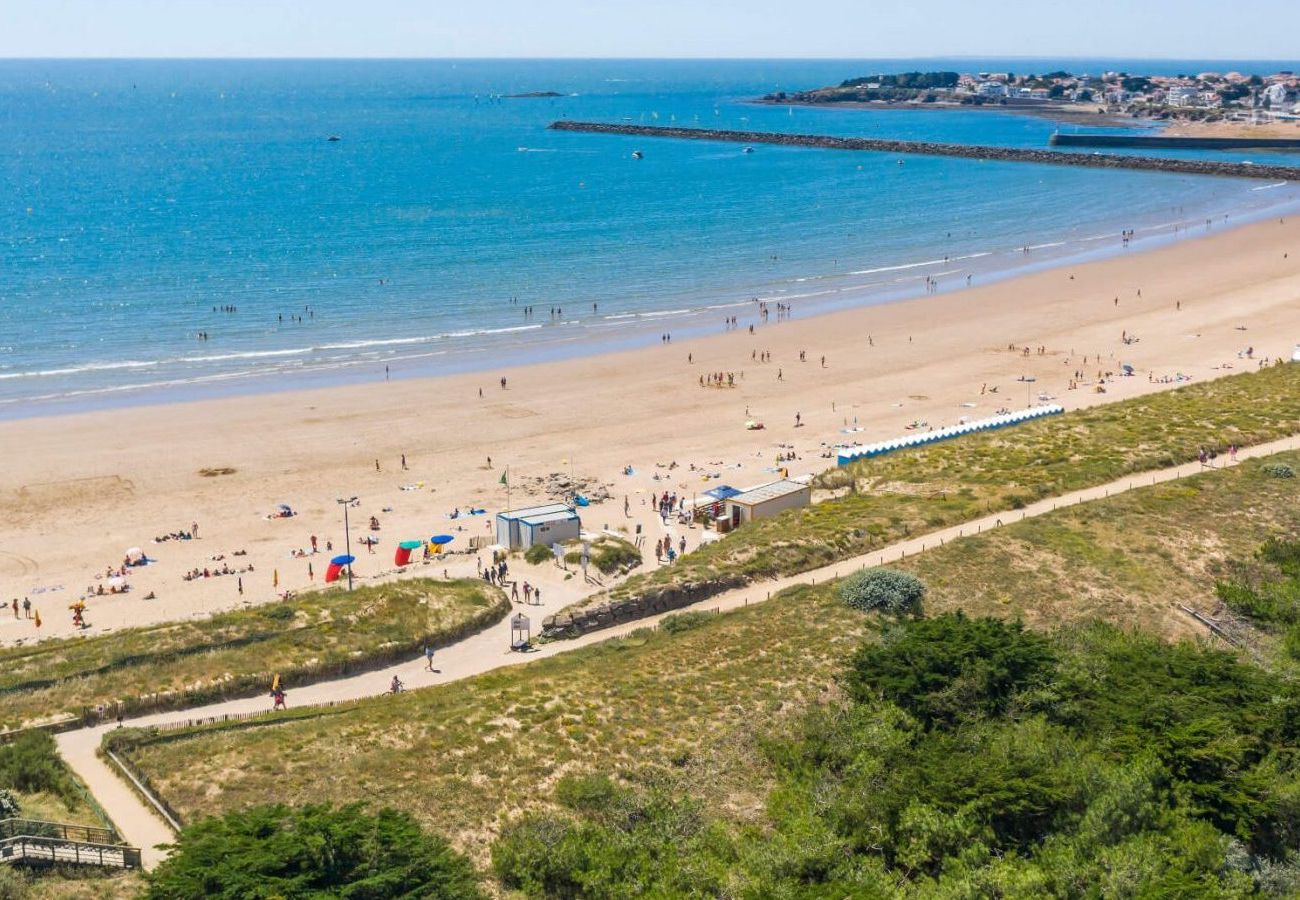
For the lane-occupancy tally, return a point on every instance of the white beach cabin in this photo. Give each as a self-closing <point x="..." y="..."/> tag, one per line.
<point x="768" y="500"/>
<point x="550" y="524"/>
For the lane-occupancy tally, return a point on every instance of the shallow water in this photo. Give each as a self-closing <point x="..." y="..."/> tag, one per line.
<point x="139" y="196"/>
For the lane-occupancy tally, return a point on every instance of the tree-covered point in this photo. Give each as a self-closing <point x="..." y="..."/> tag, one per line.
<point x="1088" y="763"/>
<point x="310" y="852"/>
<point x="907" y="80"/>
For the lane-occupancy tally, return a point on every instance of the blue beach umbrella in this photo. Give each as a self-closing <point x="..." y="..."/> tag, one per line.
<point x="442" y="539"/>
<point x="343" y="560"/>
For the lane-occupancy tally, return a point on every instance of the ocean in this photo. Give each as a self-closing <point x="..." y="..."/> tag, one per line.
<point x="144" y="198"/>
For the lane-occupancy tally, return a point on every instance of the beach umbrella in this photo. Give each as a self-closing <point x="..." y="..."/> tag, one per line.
<point x="336" y="566"/>
<point x="402" y="556"/>
<point x="275" y="578"/>
<point x="439" y="541"/>
<point x="134" y="554"/>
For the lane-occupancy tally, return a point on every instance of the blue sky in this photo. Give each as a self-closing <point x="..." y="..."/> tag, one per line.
<point x="1189" y="29"/>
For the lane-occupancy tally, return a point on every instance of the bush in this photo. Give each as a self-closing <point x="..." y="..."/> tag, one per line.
<point x="687" y="621"/>
<point x="31" y="764"/>
<point x="9" y="807"/>
<point x="586" y="793"/>
<point x="12" y="884"/>
<point x="312" y="851"/>
<point x="883" y="589"/>
<point x="538" y="554"/>
<point x="1278" y="470"/>
<point x="950" y="669"/>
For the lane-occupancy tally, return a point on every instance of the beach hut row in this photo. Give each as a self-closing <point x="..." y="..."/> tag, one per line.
<point x="846" y="455"/>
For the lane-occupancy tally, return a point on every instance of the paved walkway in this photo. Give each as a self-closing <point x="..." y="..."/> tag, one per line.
<point x="140" y="825"/>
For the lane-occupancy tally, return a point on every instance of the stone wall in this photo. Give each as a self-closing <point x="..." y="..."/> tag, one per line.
<point x="570" y="623"/>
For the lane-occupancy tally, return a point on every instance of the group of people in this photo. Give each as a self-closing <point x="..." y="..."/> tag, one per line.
<point x="215" y="572"/>
<point x="718" y="379"/>
<point x="496" y="573"/>
<point x="664" y="548"/>
<point x="668" y="503"/>
<point x="181" y="535"/>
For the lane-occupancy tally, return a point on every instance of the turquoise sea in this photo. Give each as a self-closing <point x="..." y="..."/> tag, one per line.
<point x="140" y="198"/>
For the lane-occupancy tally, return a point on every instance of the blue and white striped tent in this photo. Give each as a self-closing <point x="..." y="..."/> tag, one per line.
<point x="847" y="455"/>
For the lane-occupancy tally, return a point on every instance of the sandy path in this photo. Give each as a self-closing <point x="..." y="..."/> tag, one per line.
<point x="488" y="650"/>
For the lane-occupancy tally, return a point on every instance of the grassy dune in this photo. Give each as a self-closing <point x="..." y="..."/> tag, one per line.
<point x="312" y="635"/>
<point x="891" y="497"/>
<point x="464" y="756"/>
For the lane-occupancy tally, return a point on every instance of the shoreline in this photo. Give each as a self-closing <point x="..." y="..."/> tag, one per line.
<point x="815" y="295"/>
<point x="82" y="488"/>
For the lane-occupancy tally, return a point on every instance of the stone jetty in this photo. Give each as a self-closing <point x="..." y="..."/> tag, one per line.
<point x="965" y="151"/>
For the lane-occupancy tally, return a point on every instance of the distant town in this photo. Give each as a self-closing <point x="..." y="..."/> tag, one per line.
<point x="1203" y="97"/>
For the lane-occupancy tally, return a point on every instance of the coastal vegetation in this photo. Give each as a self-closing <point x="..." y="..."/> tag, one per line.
<point x="35" y="783"/>
<point x="969" y="757"/>
<point x="312" y="851"/>
<point x="889" y="498"/>
<point x="312" y="635"/>
<point x="1046" y="740"/>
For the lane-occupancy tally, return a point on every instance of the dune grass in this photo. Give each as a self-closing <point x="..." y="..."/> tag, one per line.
<point x="314" y="635"/>
<point x="694" y="701"/>
<point x="888" y="498"/>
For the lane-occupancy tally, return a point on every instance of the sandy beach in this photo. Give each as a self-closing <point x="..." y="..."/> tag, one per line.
<point x="78" y="490"/>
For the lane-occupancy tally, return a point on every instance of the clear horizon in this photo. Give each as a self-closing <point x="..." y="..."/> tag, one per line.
<point x="674" y="29"/>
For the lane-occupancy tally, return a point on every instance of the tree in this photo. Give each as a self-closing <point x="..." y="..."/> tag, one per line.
<point x="950" y="668"/>
<point x="312" y="851"/>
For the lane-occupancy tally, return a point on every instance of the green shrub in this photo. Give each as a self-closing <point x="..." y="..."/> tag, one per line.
<point x="588" y="793"/>
<point x="951" y="669"/>
<point x="538" y="554"/>
<point x="12" y="884"/>
<point x="278" y="612"/>
<point x="1278" y="470"/>
<point x="312" y="851"/>
<point x="883" y="589"/>
<point x="9" y="807"/>
<point x="31" y="764"/>
<point x="676" y="623"/>
<point x="1292" y="642"/>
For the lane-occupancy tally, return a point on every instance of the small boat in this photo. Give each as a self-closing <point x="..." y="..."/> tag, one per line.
<point x="334" y="137"/>
<point x="637" y="154"/>
<point x="748" y="150"/>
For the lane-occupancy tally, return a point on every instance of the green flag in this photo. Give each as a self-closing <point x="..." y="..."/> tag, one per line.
<point x="503" y="477"/>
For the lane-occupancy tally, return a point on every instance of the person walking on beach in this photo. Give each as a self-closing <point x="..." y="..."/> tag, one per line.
<point x="403" y="462"/>
<point x="241" y="586"/>
<point x="503" y="384"/>
<point x="27" y="608"/>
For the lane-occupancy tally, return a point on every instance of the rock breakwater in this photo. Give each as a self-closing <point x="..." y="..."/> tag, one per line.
<point x="927" y="148"/>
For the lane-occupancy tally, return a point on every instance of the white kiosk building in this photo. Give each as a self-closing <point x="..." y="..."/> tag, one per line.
<point x="553" y="523"/>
